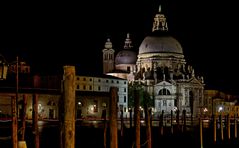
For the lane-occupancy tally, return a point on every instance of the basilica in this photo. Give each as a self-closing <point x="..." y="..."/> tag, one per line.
<point x="160" y="66"/>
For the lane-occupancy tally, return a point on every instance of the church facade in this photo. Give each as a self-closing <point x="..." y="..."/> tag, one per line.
<point x="160" y="67"/>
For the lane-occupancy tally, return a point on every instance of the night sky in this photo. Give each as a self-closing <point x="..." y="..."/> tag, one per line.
<point x="50" y="35"/>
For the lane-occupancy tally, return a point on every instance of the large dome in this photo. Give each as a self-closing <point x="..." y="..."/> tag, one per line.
<point x="160" y="44"/>
<point x="126" y="57"/>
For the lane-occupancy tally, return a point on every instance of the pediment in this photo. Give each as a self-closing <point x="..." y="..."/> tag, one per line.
<point x="194" y="81"/>
<point x="164" y="83"/>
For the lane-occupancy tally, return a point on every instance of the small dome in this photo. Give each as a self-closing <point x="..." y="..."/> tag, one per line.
<point x="126" y="57"/>
<point x="160" y="44"/>
<point x="108" y="44"/>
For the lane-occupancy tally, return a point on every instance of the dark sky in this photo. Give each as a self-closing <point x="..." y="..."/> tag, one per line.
<point x="50" y="35"/>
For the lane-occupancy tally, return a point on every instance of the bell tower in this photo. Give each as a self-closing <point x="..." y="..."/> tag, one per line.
<point x="108" y="57"/>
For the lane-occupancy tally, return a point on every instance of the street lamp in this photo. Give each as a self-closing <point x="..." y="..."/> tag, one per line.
<point x="14" y="102"/>
<point x="220" y="109"/>
<point x="3" y="68"/>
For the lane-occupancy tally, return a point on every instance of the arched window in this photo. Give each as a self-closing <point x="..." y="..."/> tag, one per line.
<point x="164" y="91"/>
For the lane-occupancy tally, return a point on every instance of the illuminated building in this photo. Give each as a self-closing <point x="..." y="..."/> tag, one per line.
<point x="160" y="67"/>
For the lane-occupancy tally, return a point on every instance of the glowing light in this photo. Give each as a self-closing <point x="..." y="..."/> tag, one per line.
<point x="141" y="108"/>
<point x="220" y="109"/>
<point x="92" y="108"/>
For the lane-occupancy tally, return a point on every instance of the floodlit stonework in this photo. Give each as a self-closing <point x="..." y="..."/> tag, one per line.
<point x="161" y="68"/>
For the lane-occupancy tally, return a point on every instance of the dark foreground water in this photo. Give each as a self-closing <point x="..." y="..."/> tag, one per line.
<point x="91" y="137"/>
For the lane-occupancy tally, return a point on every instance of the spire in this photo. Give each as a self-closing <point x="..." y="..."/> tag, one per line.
<point x="160" y="22"/>
<point x="193" y="74"/>
<point x="127" y="43"/>
<point x="108" y="57"/>
<point x="202" y="79"/>
<point x="108" y="44"/>
<point x="159" y="8"/>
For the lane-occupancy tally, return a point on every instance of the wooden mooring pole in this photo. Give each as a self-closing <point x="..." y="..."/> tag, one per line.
<point x="105" y="129"/>
<point x="177" y="120"/>
<point x="121" y="127"/>
<point x="214" y="129"/>
<point x="137" y="119"/>
<point x="35" y="120"/>
<point x="201" y="132"/>
<point x="130" y="118"/>
<point x="235" y="126"/>
<point x="69" y="107"/>
<point x="148" y="127"/>
<point x="171" y="121"/>
<point x="121" y="123"/>
<point x="22" y="143"/>
<point x="14" y="123"/>
<point x="23" y="123"/>
<point x="161" y="122"/>
<point x="228" y="127"/>
<point x="221" y="127"/>
<point x="113" y="118"/>
<point x="184" y="121"/>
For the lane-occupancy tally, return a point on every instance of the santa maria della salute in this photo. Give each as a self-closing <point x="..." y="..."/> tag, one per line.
<point x="160" y="67"/>
<point x="157" y="64"/>
<point x="135" y="87"/>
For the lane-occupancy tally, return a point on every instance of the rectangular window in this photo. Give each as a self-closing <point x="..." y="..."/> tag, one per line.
<point x="128" y="69"/>
<point x="159" y="104"/>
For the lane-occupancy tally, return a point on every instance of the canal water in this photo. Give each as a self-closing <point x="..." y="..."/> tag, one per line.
<point x="93" y="137"/>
